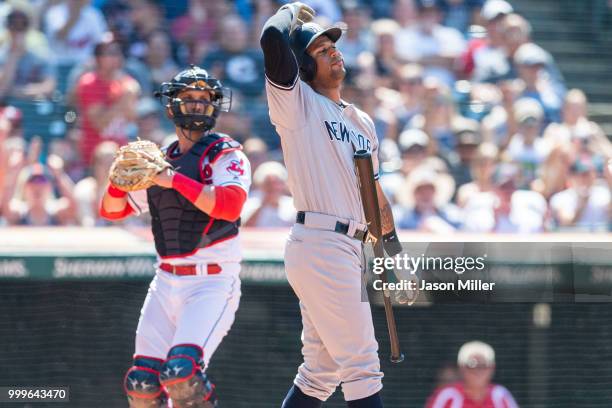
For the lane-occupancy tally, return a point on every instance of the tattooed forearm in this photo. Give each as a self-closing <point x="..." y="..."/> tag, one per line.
<point x="386" y="214"/>
<point x="386" y="217"/>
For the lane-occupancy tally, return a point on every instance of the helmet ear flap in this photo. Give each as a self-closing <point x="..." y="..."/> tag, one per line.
<point x="308" y="69"/>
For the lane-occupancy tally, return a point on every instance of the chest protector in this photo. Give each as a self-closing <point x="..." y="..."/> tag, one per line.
<point x="179" y="227"/>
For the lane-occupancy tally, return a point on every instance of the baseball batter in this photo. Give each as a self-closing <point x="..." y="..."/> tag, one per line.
<point x="195" y="212"/>
<point x="319" y="134"/>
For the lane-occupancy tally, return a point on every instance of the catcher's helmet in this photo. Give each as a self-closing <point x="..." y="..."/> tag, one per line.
<point x="195" y="78"/>
<point x="302" y="38"/>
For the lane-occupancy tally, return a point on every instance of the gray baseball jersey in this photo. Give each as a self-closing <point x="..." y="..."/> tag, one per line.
<point x="319" y="138"/>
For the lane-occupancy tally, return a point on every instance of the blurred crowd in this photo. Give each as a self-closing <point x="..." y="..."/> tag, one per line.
<point x="478" y="131"/>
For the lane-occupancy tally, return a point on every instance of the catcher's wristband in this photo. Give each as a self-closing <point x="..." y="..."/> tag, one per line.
<point x="115" y="192"/>
<point x="189" y="188"/>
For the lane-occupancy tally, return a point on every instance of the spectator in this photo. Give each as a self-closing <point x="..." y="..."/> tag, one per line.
<point x="405" y="13"/>
<point x="239" y="66"/>
<point x="30" y="200"/>
<point x="89" y="191"/>
<point x="436" y="119"/>
<point x="499" y="124"/>
<point x="517" y="31"/>
<point x="25" y="73"/>
<point x="158" y="58"/>
<point x="476" y="361"/>
<point x="413" y="145"/>
<point x="74" y="27"/>
<point x="257" y="152"/>
<point x="146" y="19"/>
<point x="430" y="44"/>
<point x="476" y="100"/>
<point x="527" y="147"/>
<point x="585" y="205"/>
<point x="482" y="170"/>
<point x="106" y="100"/>
<point x="468" y="138"/>
<point x="196" y="29"/>
<point x="425" y="203"/>
<point x="506" y="209"/>
<point x="485" y="59"/>
<point x="409" y="82"/>
<point x="385" y="57"/>
<point x="554" y="171"/>
<point x="269" y="205"/>
<point x="5" y="131"/>
<point x="358" y="37"/>
<point x="576" y="125"/>
<point x="458" y="13"/>
<point x="531" y="61"/>
<point x="22" y="13"/>
<point x="263" y="9"/>
<point x="371" y="102"/>
<point x="238" y="122"/>
<point x="148" y="121"/>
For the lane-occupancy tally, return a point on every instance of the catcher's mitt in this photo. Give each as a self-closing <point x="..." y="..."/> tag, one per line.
<point x="136" y="164"/>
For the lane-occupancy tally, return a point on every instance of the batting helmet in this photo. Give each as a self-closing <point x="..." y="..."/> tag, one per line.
<point x="301" y="38"/>
<point x="195" y="78"/>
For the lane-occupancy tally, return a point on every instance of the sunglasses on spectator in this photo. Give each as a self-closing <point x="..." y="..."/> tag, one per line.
<point x="530" y="121"/>
<point x="38" y="179"/>
<point x="414" y="149"/>
<point x="17" y="24"/>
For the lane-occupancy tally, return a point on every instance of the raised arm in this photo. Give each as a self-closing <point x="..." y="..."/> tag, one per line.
<point x="280" y="63"/>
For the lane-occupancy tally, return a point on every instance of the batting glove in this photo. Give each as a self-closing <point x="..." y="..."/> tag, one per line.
<point x="301" y="14"/>
<point x="407" y="296"/>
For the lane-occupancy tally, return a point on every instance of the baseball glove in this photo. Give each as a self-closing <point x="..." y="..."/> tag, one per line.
<point x="136" y="164"/>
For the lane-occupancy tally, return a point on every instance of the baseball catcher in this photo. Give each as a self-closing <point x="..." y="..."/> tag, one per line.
<point x="194" y="189"/>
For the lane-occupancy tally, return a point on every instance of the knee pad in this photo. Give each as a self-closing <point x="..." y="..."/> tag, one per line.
<point x="141" y="383"/>
<point x="182" y="374"/>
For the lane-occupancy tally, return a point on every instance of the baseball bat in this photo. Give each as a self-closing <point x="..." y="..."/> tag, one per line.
<point x="371" y="209"/>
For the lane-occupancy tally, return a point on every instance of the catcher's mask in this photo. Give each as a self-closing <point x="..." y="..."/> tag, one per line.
<point x="195" y="78"/>
<point x="302" y="38"/>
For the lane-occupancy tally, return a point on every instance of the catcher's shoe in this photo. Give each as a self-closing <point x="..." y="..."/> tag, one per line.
<point x="182" y="376"/>
<point x="194" y="392"/>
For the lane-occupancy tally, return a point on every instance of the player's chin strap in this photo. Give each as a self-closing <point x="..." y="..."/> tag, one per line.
<point x="188" y="134"/>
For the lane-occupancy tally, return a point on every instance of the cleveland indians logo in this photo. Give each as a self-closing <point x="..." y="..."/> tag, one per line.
<point x="235" y="168"/>
<point x="207" y="173"/>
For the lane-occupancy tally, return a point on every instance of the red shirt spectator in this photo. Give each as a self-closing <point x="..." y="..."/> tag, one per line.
<point x="107" y="98"/>
<point x="476" y="362"/>
<point x="454" y="396"/>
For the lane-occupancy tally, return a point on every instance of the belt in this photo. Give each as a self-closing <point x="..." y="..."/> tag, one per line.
<point x="184" y="270"/>
<point x="331" y="223"/>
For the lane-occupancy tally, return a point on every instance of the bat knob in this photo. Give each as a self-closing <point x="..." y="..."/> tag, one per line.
<point x="362" y="154"/>
<point x="397" y="359"/>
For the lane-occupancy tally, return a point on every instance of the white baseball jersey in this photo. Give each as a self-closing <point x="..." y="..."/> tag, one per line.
<point x="172" y="311"/>
<point x="319" y="138"/>
<point x="231" y="168"/>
